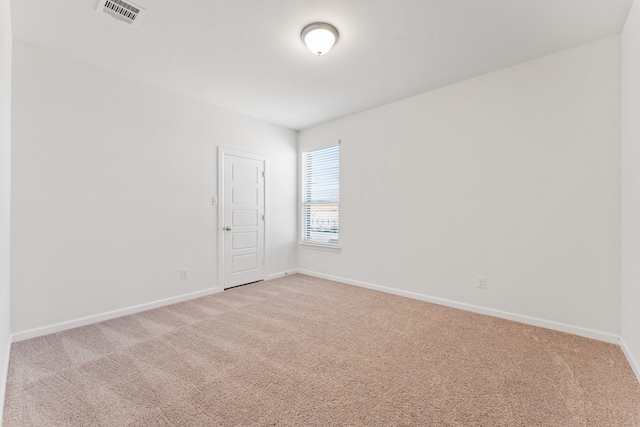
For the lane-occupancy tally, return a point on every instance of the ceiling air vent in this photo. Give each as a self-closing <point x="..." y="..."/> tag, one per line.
<point x="124" y="11"/>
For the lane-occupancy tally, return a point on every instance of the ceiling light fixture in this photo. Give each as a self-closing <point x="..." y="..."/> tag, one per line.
<point x="319" y="37"/>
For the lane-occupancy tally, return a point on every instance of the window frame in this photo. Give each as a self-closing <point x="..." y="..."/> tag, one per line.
<point x="304" y="204"/>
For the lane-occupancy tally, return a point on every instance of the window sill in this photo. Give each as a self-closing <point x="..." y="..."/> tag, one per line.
<point x="319" y="247"/>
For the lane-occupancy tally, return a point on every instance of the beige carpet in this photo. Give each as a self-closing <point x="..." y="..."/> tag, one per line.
<point x="300" y="351"/>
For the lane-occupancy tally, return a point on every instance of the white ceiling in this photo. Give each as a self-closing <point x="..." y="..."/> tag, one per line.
<point x="246" y="55"/>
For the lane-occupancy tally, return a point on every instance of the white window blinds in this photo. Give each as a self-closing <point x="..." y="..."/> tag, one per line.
<point x="321" y="196"/>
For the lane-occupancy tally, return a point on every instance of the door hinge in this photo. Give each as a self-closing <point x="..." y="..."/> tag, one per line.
<point x="263" y="217"/>
<point x="263" y="174"/>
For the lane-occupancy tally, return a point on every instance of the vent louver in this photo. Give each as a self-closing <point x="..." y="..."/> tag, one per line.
<point x="121" y="10"/>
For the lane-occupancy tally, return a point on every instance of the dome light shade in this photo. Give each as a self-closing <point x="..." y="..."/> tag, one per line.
<point x="319" y="37"/>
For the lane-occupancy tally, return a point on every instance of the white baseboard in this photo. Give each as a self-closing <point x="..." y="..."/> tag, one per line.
<point x="635" y="366"/>
<point x="281" y="274"/>
<point x="83" y="321"/>
<point x="3" y="379"/>
<point x="534" y="321"/>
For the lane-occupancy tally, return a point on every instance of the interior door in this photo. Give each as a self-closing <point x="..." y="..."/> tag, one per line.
<point x="243" y="218"/>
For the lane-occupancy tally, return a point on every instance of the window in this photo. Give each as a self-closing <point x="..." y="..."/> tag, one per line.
<point x="321" y="196"/>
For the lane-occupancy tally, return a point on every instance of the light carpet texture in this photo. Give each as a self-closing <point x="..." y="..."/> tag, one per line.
<point x="301" y="351"/>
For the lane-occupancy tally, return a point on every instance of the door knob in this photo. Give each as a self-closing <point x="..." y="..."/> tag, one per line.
<point x="227" y="228"/>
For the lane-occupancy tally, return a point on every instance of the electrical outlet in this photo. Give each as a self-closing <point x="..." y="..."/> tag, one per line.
<point x="481" y="282"/>
<point x="184" y="273"/>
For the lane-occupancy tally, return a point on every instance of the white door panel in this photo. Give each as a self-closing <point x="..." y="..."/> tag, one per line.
<point x="245" y="196"/>
<point x="244" y="263"/>
<point x="245" y="240"/>
<point x="243" y="219"/>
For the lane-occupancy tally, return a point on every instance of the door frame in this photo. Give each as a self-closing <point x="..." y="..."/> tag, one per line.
<point x="222" y="152"/>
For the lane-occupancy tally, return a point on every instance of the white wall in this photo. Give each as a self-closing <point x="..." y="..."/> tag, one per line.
<point x="514" y="175"/>
<point x="5" y="190"/>
<point x="631" y="187"/>
<point x="112" y="188"/>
